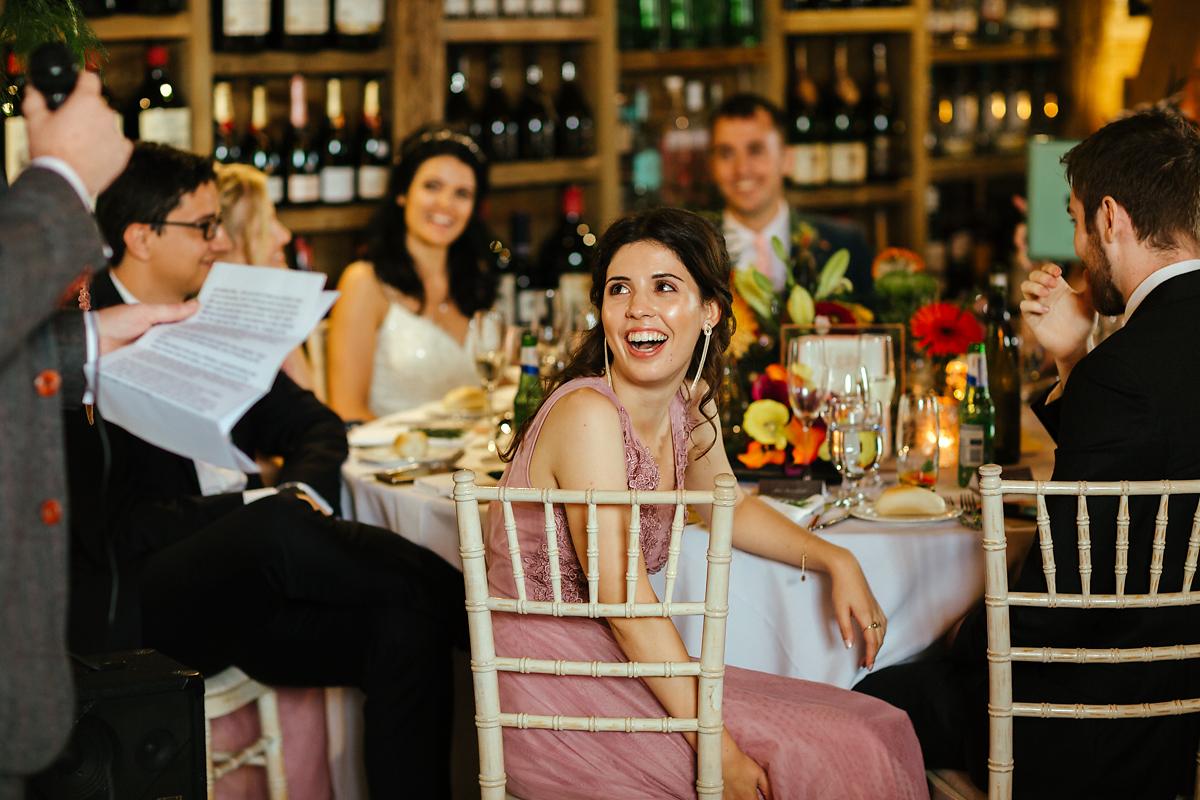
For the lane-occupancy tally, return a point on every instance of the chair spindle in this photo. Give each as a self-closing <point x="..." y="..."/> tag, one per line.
<point x="552" y="548"/>
<point x="673" y="555"/>
<point x="593" y="551"/>
<point x="1045" y="539"/>
<point x="1160" y="539"/>
<point x="514" y="548"/>
<point x="633" y="553"/>
<point x="1189" y="566"/>
<point x="1084" y="530"/>
<point x="1122" y="566"/>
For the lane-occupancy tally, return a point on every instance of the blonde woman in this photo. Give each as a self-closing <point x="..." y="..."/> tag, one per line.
<point x="259" y="238"/>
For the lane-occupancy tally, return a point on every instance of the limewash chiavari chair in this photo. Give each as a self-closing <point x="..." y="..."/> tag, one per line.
<point x="998" y="600"/>
<point x="226" y="692"/>
<point x="485" y="663"/>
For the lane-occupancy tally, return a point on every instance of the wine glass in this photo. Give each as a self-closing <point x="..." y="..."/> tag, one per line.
<point x="487" y="341"/>
<point x="806" y="378"/>
<point x="854" y="442"/>
<point x="918" y="435"/>
<point x="876" y="354"/>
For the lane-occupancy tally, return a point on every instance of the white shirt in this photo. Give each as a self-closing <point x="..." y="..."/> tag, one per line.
<point x="742" y="243"/>
<point x="1156" y="279"/>
<point x="220" y="480"/>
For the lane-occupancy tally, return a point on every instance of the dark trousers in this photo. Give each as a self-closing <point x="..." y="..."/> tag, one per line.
<point x="295" y="598"/>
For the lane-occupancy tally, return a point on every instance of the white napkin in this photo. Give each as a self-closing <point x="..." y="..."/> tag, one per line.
<point x="800" y="514"/>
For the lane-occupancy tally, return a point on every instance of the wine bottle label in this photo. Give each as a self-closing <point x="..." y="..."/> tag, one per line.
<point x="810" y="164"/>
<point x="305" y="17"/>
<point x="171" y="126"/>
<point x="456" y="8"/>
<point x="303" y="188"/>
<point x="358" y="17"/>
<point x="16" y="147"/>
<point x="485" y="8"/>
<point x="372" y="181"/>
<point x="970" y="445"/>
<point x="246" y="18"/>
<point x="848" y="162"/>
<point x="541" y="8"/>
<point x="337" y="184"/>
<point x="275" y="188"/>
<point x="570" y="8"/>
<point x="516" y="8"/>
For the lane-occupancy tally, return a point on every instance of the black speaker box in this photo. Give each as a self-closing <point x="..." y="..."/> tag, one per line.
<point x="138" y="735"/>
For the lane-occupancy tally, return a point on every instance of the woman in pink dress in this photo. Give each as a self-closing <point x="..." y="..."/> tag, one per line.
<point x="635" y="409"/>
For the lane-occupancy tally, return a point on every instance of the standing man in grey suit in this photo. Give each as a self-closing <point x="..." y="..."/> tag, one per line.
<point x="48" y="240"/>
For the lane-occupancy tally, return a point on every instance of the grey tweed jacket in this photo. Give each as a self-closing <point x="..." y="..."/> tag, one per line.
<point x="47" y="239"/>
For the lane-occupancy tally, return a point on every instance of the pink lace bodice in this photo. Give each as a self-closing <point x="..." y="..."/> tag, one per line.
<point x="642" y="473"/>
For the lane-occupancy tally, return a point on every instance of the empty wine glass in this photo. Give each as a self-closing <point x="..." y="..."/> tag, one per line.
<point x="487" y="341"/>
<point x="806" y="378"/>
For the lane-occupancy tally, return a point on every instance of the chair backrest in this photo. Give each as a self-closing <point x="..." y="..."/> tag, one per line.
<point x="710" y="671"/>
<point x="998" y="600"/>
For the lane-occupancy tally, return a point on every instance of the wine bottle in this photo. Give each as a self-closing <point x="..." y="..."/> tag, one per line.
<point x="741" y="23"/>
<point x="537" y="124"/>
<point x="993" y="108"/>
<point x="682" y="33"/>
<point x="501" y="132"/>
<point x="882" y="152"/>
<point x="456" y="9"/>
<point x="847" y="147"/>
<point x="710" y="22"/>
<point x="976" y="417"/>
<point x="993" y="21"/>
<point x="459" y="113"/>
<point x="807" y="131"/>
<point x="259" y="149"/>
<point x="16" y="136"/>
<point x="337" y="177"/>
<point x="569" y="248"/>
<point x="303" y="151"/>
<point x="529" y="387"/>
<point x="158" y="112"/>
<point x="1046" y="109"/>
<point x="576" y="125"/>
<point x="1018" y="108"/>
<point x="567" y="8"/>
<point x="1004" y="371"/>
<point x="226" y="147"/>
<point x="541" y="8"/>
<point x="302" y="24"/>
<point x="374" y="148"/>
<point x="241" y="25"/>
<point x="958" y="134"/>
<point x="485" y="8"/>
<point x="357" y="24"/>
<point x="529" y="291"/>
<point x="646" y="168"/>
<point x="650" y="33"/>
<point x="514" y="8"/>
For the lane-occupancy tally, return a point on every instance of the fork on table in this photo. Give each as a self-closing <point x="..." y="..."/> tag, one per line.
<point x="968" y="504"/>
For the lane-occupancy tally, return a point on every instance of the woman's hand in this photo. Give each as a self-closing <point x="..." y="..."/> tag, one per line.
<point x="744" y="778"/>
<point x="855" y="607"/>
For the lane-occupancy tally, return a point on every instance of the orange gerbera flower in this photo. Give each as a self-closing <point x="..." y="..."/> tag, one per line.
<point x="891" y="259"/>
<point x="746" y="332"/>
<point x="944" y="329"/>
<point x="757" y="456"/>
<point x="805" y="441"/>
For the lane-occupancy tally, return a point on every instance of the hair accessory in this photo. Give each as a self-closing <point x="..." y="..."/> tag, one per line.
<point x="445" y="135"/>
<point x="703" y="355"/>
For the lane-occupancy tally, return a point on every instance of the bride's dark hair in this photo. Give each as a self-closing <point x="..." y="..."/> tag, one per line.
<point x="699" y="247"/>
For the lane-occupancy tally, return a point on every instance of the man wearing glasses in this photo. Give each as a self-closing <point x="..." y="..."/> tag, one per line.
<point x="215" y="571"/>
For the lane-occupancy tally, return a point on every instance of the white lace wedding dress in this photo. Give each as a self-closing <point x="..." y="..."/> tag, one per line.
<point x="415" y="362"/>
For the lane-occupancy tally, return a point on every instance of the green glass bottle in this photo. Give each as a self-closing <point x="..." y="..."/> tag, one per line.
<point x="976" y="417"/>
<point x="529" y="388"/>
<point x="1004" y="371"/>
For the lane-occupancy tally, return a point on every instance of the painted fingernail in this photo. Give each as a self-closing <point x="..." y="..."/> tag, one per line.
<point x="849" y="644"/>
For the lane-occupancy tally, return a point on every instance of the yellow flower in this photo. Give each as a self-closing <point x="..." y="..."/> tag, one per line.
<point x="745" y="333"/>
<point x="766" y="422"/>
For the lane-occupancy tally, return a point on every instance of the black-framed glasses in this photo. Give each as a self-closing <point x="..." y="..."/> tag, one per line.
<point x="208" y="226"/>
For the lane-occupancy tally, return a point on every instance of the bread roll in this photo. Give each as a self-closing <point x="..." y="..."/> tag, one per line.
<point x="411" y="444"/>
<point x="465" y="400"/>
<point x="909" y="501"/>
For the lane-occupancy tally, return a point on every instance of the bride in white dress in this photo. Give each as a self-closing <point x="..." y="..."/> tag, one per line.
<point x="397" y="334"/>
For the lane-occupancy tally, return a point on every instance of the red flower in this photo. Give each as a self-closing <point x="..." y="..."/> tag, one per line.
<point x="838" y="314"/>
<point x="771" y="385"/>
<point x="944" y="329"/>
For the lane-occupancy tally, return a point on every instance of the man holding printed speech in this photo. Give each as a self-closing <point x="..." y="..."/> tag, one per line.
<point x="49" y="240"/>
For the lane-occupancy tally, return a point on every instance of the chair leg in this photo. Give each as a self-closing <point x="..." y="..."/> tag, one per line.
<point x="268" y="716"/>
<point x="208" y="757"/>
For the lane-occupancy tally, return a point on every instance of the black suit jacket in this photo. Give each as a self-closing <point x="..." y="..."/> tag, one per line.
<point x="148" y="498"/>
<point x="1127" y="412"/>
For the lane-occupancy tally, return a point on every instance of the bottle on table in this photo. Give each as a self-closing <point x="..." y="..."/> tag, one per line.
<point x="226" y="147"/>
<point x="374" y="147"/>
<point x="1004" y="371"/>
<point x="259" y="149"/>
<point x="529" y="387"/>
<point x="303" y="150"/>
<point x="158" y="112"/>
<point x="976" y="418"/>
<point x="807" y="131"/>
<point x="337" y="176"/>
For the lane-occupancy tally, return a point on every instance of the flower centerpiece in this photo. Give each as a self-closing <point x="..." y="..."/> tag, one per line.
<point x="760" y="429"/>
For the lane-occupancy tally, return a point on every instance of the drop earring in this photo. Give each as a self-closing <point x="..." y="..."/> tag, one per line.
<point x="607" y="373"/>
<point x="703" y="355"/>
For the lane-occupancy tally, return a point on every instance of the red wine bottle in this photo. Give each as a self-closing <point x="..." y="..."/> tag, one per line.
<point x="158" y="112"/>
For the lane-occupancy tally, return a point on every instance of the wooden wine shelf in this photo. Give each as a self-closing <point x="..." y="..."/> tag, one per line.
<point x="138" y="27"/>
<point x="520" y="30"/>
<point x="327" y="219"/>
<point x="324" y="62"/>
<point x="974" y="167"/>
<point x="709" y="59"/>
<point x="852" y="196"/>
<point x="858" y="20"/>
<point x="543" y="173"/>
<point x="1047" y="51"/>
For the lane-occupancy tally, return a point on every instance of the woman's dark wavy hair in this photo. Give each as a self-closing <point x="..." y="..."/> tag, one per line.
<point x="699" y="247"/>
<point x="472" y="280"/>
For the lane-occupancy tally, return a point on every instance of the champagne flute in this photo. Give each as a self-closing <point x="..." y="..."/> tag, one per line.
<point x="487" y="340"/>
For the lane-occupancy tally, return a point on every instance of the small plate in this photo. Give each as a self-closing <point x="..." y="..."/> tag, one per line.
<point x="868" y="513"/>
<point x="386" y="457"/>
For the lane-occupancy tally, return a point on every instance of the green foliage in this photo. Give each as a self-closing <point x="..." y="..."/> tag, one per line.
<point x="832" y="275"/>
<point x="26" y="24"/>
<point x="901" y="293"/>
